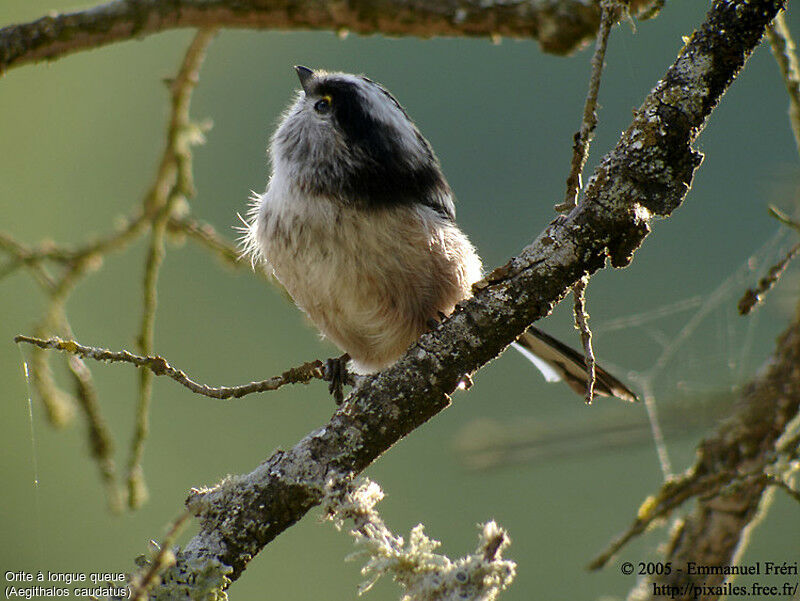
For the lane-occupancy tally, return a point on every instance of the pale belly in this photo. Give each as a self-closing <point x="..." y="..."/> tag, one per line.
<point x="370" y="285"/>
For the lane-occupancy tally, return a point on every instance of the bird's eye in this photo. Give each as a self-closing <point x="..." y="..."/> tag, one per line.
<point x="323" y="105"/>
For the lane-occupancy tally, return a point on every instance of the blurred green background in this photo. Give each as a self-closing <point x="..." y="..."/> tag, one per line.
<point x="79" y="140"/>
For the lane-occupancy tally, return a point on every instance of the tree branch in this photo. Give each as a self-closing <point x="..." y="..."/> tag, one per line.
<point x="784" y="51"/>
<point x="648" y="174"/>
<point x="206" y="236"/>
<point x="174" y="183"/>
<point x="729" y="479"/>
<point x="582" y="325"/>
<point x="610" y="10"/>
<point x="159" y="366"/>
<point x="560" y="26"/>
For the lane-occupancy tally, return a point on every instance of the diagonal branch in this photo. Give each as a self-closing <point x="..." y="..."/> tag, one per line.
<point x="648" y="174"/>
<point x="752" y="452"/>
<point x="730" y="478"/>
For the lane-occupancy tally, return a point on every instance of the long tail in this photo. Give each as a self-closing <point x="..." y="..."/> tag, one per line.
<point x="557" y="361"/>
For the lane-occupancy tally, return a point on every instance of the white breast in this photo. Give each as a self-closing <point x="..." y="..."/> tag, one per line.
<point x="369" y="279"/>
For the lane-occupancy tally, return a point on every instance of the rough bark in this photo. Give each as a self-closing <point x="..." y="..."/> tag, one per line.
<point x="560" y="26"/>
<point x="648" y="174"/>
<point x="730" y="478"/>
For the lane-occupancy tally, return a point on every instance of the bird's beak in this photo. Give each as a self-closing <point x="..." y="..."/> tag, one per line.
<point x="305" y="75"/>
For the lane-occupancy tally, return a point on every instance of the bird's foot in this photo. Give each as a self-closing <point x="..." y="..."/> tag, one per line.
<point x="336" y="375"/>
<point x="434" y="322"/>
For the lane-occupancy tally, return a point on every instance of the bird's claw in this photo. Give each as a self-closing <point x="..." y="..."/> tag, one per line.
<point x="336" y="376"/>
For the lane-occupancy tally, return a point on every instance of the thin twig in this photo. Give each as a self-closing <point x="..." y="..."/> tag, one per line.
<point x="141" y="583"/>
<point x="159" y="366"/>
<point x="783" y="49"/>
<point x="66" y="254"/>
<point x="173" y="182"/>
<point x="101" y="444"/>
<point x="755" y="296"/>
<point x="76" y="263"/>
<point x="582" y="138"/>
<point x="655" y="428"/>
<point x="582" y="324"/>
<point x="58" y="403"/>
<point x="206" y="236"/>
<point x="21" y="255"/>
<point x="783" y="217"/>
<point x="717" y="470"/>
<point x="243" y="514"/>
<point x="652" y="509"/>
<point x="652" y="11"/>
<point x="672" y="495"/>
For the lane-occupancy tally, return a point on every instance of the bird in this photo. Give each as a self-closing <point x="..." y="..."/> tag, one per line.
<point x="358" y="224"/>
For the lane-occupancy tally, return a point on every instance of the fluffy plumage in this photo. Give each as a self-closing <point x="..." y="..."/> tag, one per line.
<point x="358" y="224"/>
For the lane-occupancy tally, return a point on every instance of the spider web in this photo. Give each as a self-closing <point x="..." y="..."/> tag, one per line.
<point x="703" y="352"/>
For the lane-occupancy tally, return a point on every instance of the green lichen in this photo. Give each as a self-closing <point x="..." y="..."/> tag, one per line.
<point x="207" y="581"/>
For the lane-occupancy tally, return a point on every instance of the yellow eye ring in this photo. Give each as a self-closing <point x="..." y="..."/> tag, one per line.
<point x="323" y="105"/>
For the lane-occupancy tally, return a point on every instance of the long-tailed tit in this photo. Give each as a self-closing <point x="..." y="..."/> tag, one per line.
<point x="358" y="224"/>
